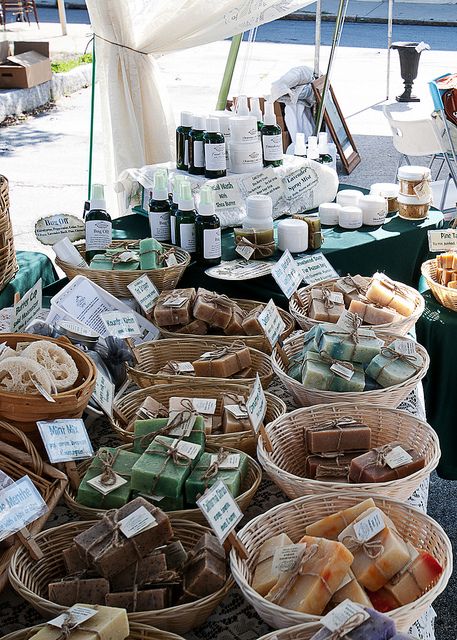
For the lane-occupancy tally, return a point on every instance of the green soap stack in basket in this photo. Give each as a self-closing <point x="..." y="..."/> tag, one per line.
<point x="208" y="471"/>
<point x="145" y="431"/>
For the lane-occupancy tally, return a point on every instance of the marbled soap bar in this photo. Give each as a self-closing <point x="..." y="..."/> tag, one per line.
<point x="142" y="572"/>
<point x="107" y="624"/>
<point x="338" y="344"/>
<point x="331" y="526"/>
<point x="68" y="592"/>
<point x="251" y="324"/>
<point x="147" y="430"/>
<point x="102" y="262"/>
<point x="371" y="314"/>
<point x="350" y="590"/>
<point x="386" y="293"/>
<point x="264" y="578"/>
<point x="212" y="308"/>
<point x="132" y="601"/>
<point x="377" y="627"/>
<point x="326" y="305"/>
<point x="316" y="374"/>
<point x="206" y="473"/>
<point x="352" y="287"/>
<point x="150" y="250"/>
<point x="174" y="307"/>
<point x="205" y="572"/>
<point x="372" y="466"/>
<point x="223" y="362"/>
<point x="328" y="469"/>
<point x="389" y="368"/>
<point x="235" y="326"/>
<point x="339" y="435"/>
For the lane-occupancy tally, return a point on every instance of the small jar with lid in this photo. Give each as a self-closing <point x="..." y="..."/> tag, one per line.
<point x="390" y="192"/>
<point x="350" y="218"/>
<point x="257" y="232"/>
<point x="413" y="208"/>
<point x="414" y="181"/>
<point x="293" y="235"/>
<point x="348" y="197"/>
<point x="374" y="210"/>
<point x="329" y="213"/>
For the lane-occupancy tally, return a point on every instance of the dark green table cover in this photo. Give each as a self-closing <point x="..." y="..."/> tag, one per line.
<point x="32" y="267"/>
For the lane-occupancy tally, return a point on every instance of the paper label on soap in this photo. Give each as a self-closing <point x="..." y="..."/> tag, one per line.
<point x="136" y="522"/>
<point x="240" y="413"/>
<point x="316" y="268"/>
<point x="186" y="367"/>
<point x="286" y="558"/>
<point x="220" y="509"/>
<point x="171" y="260"/>
<point x="397" y="457"/>
<point x="104" y="488"/>
<point x="442" y="240"/>
<point x="370" y="526"/>
<point x="185" y="427"/>
<point x="336" y="296"/>
<point x="271" y="322"/>
<point x="404" y="347"/>
<point x="20" y="504"/>
<point x="175" y="303"/>
<point x="342" y="371"/>
<point x="121" y="325"/>
<point x="205" y="406"/>
<point x="287" y="274"/>
<point x="65" y="439"/>
<point x="244" y="250"/>
<point x="188" y="449"/>
<point x="27" y="308"/>
<point x="104" y="393"/>
<point x="231" y="462"/>
<point x="76" y="615"/>
<point x="256" y="404"/>
<point x="346" y="321"/>
<point x="343" y="614"/>
<point x="145" y="292"/>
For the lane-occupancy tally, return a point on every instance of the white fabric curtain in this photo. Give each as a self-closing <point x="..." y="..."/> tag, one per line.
<point x="137" y="120"/>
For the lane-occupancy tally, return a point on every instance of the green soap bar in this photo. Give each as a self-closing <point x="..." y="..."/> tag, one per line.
<point x="340" y="346"/>
<point x="157" y="474"/>
<point x="150" y="249"/>
<point x="126" y="266"/>
<point x="196" y="484"/>
<point x="143" y="428"/>
<point x="317" y="375"/>
<point x="99" y="261"/>
<point x="166" y="504"/>
<point x="387" y="370"/>
<point x="296" y="361"/>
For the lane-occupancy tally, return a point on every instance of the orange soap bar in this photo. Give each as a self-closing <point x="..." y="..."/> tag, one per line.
<point x="264" y="578"/>
<point x="371" y="314"/>
<point x="223" y="362"/>
<point x="350" y="589"/>
<point x="331" y="526"/>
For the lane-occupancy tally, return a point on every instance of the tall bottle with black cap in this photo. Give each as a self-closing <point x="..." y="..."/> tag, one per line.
<point x="182" y="140"/>
<point x="207" y="230"/>
<point x="214" y="149"/>
<point x="271" y="134"/>
<point x="185" y="219"/>
<point x="99" y="228"/>
<point x="159" y="209"/>
<point x="196" y="152"/>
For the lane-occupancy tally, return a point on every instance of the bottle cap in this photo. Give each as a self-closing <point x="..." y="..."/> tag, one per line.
<point x="269" y="116"/>
<point x="198" y="123"/>
<point x="186" y="118"/>
<point x="224" y="123"/>
<point x="242" y="106"/>
<point x="243" y="129"/>
<point x="186" y="201"/>
<point x="312" y="152"/>
<point x="97" y="200"/>
<point x="212" y="125"/>
<point x="160" y="189"/>
<point x="256" y="110"/>
<point x="206" y="205"/>
<point x="176" y="185"/>
<point x="300" y="147"/>
<point x="322" y="144"/>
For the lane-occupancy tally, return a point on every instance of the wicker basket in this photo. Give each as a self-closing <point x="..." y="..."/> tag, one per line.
<point x="125" y="409"/>
<point x="400" y="327"/>
<point x="18" y="462"/>
<point x="151" y="356"/>
<point x="23" y="411"/>
<point x="286" y="464"/>
<point x="137" y="632"/>
<point x="293" y="517"/>
<point x="445" y="296"/>
<point x="249" y="487"/>
<point x="388" y="397"/>
<point x="116" y="282"/>
<point x="259" y="342"/>
<point x="8" y="262"/>
<point x="30" y="579"/>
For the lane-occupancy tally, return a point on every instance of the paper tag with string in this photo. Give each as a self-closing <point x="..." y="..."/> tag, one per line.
<point x="422" y="189"/>
<point x="286" y="558"/>
<point x="105" y="489"/>
<point x="171" y="261"/>
<point x="369" y="526"/>
<point x="404" y="347"/>
<point x="137" y="522"/>
<point x="184" y="429"/>
<point x="342" y="614"/>
<point x="397" y="457"/>
<point x="231" y="462"/>
<point x="77" y="614"/>
<point x="342" y="371"/>
<point x="245" y="251"/>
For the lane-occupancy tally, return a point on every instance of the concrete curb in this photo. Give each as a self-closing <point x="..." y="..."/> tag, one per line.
<point x="16" y="101"/>
<point x="367" y="20"/>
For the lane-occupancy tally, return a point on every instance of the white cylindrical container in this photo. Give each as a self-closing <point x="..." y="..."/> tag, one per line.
<point x="389" y="191"/>
<point x="374" y="210"/>
<point x="259" y="213"/>
<point x="329" y="213"/>
<point x="414" y="180"/>
<point x="293" y="235"/>
<point x="243" y="129"/>
<point x="246" y="156"/>
<point x="348" y="197"/>
<point x="350" y="217"/>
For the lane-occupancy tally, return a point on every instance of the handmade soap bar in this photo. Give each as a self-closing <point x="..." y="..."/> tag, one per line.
<point x="195" y="327"/>
<point x="350" y="590"/>
<point x="175" y="368"/>
<point x="309" y="586"/>
<point x="373" y="466"/>
<point x="150" y="250"/>
<point x="212" y="308"/>
<point x="224" y="361"/>
<point x="389" y="367"/>
<point x="326" y="305"/>
<point x="316" y="374"/>
<point x="107" y="624"/>
<point x="132" y="601"/>
<point x="210" y="469"/>
<point x="387" y="293"/>
<point x="377" y="627"/>
<point x="371" y="314"/>
<point x="104" y="546"/>
<point x="244" y="374"/>
<point x="446" y="260"/>
<point x="234" y="416"/>
<point x="205" y="571"/>
<point x="174" y="307"/>
<point x="314" y="230"/>
<point x="351" y="347"/>
<point x="264" y="578"/>
<point x="352" y="287"/>
<point x="328" y="469"/>
<point x="73" y="560"/>
<point x="147" y="430"/>
<point x="149" y="409"/>
<point x="331" y="526"/>
<point x="341" y="434"/>
<point x="251" y="324"/>
<point x="69" y="592"/>
<point x="100" y="261"/>
<point x="175" y="555"/>
<point x="142" y="572"/>
<point x="235" y="326"/>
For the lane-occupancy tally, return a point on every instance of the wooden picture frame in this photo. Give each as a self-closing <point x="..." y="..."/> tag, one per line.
<point x="336" y="126"/>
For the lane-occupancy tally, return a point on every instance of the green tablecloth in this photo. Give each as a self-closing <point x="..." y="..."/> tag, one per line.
<point x="32" y="267"/>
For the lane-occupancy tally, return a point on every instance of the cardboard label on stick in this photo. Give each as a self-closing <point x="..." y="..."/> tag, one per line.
<point x="220" y="509"/>
<point x="316" y="268"/>
<point x="65" y="439"/>
<point x="26" y="309"/>
<point x="287" y="274"/>
<point x="271" y="322"/>
<point x="442" y="240"/>
<point x="145" y="292"/>
<point x="20" y="504"/>
<point x="104" y="393"/>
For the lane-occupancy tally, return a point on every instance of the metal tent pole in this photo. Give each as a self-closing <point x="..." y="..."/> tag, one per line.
<point x="317" y="38"/>
<point x="389" y="43"/>
<point x="91" y="133"/>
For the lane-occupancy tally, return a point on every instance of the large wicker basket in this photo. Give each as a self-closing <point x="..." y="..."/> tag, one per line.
<point x="259" y="342"/>
<point x="137" y="632"/>
<point x="388" y="397"/>
<point x="116" y="282"/>
<point x="126" y="407"/>
<point x="151" y="356"/>
<point x="249" y="487"/>
<point x="292" y="518"/>
<point x="297" y="632"/>
<point x="400" y="326"/>
<point x="18" y="462"/>
<point x="30" y="579"/>
<point x="8" y="262"/>
<point x="445" y="296"/>
<point x="286" y="464"/>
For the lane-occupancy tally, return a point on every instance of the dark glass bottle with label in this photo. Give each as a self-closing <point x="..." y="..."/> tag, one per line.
<point x="214" y="150"/>
<point x="196" y="151"/>
<point x="207" y="231"/>
<point x="159" y="209"/>
<point x="182" y="141"/>
<point x="185" y="220"/>
<point x="271" y="135"/>
<point x="98" y="224"/>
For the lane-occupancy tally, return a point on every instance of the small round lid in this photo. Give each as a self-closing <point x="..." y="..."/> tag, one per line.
<point x="412" y="172"/>
<point x="348" y="197"/>
<point x="372" y="199"/>
<point x="386" y="189"/>
<point x="198" y="123"/>
<point x="258" y="206"/>
<point x="329" y="207"/>
<point x="186" y="118"/>
<point x="298" y="226"/>
<point x="351" y="211"/>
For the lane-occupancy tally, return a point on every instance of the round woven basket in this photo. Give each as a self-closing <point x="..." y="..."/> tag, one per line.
<point x="30" y="578"/>
<point x="248" y="489"/>
<point x="400" y="327"/>
<point x="286" y="464"/>
<point x="259" y="342"/>
<point x="293" y="517"/>
<point x="116" y="282"/>
<point x="8" y="262"/>
<point x="388" y="397"/>
<point x="126" y="407"/>
<point x="445" y="296"/>
<point x="137" y="632"/>
<point x="152" y="356"/>
<point x="298" y="632"/>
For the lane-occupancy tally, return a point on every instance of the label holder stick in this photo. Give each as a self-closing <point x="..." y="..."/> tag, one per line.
<point x="233" y="541"/>
<point x="71" y="470"/>
<point x="29" y="543"/>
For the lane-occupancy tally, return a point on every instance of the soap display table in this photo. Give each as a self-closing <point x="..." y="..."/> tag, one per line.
<point x="32" y="267"/>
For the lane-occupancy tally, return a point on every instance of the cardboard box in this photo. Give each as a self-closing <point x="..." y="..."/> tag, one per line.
<point x="30" y="65"/>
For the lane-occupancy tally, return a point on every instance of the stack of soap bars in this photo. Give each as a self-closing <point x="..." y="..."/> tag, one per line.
<point x="145" y="255"/>
<point x="446" y="269"/>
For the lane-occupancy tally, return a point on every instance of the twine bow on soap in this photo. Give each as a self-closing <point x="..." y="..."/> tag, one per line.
<point x="107" y="459"/>
<point x="393" y="355"/>
<point x="163" y="257"/>
<point x="265" y="249"/>
<point x="218" y="300"/>
<point x="171" y="368"/>
<point x="111" y="538"/>
<point x="338" y="423"/>
<point x="331" y="361"/>
<point x="145" y="414"/>
<point x="395" y="288"/>
<point x="349" y="280"/>
<point x="326" y="298"/>
<point x="213" y="468"/>
<point x="224" y="350"/>
<point x="372" y="548"/>
<point x="171" y="452"/>
<point x="332" y="470"/>
<point x="354" y="621"/>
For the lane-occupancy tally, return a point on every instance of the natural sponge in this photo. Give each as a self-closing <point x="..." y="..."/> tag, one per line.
<point x="59" y="364"/>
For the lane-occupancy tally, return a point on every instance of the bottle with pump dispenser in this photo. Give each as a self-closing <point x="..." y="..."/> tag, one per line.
<point x="185" y="219"/>
<point x="242" y="108"/>
<point x="159" y="209"/>
<point x="182" y="140"/>
<point x="256" y="111"/>
<point x="99" y="228"/>
<point x="196" y="152"/>
<point x="174" y="205"/>
<point x="271" y="134"/>
<point x="322" y="148"/>
<point x="312" y="152"/>
<point x="300" y="146"/>
<point x="207" y="230"/>
<point x="214" y="150"/>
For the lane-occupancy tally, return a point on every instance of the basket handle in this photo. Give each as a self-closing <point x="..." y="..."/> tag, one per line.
<point x="36" y="459"/>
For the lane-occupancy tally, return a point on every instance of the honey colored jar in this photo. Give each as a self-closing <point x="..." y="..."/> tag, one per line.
<point x="390" y="192"/>
<point x="414" y="181"/>
<point x="413" y="208"/>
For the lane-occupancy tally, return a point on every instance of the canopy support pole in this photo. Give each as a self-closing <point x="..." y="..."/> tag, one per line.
<point x="317" y="38"/>
<point x="228" y="72"/>
<point x="92" y="116"/>
<point x="62" y="16"/>
<point x="389" y="43"/>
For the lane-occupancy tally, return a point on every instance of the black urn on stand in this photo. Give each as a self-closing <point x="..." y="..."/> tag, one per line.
<point x="410" y="53"/>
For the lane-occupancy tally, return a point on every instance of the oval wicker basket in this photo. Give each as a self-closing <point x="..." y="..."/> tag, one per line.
<point x="388" y="397"/>
<point x="116" y="282"/>
<point x="49" y="482"/>
<point x="125" y="409"/>
<point x="400" y="327"/>
<point x="298" y="632"/>
<point x="151" y="356"/>
<point x="445" y="296"/>
<point x="8" y="262"/>
<point x="286" y="464"/>
<point x="293" y="517"/>
<point x="249" y="487"/>
<point x="259" y="342"/>
<point x="137" y="632"/>
<point x="30" y="578"/>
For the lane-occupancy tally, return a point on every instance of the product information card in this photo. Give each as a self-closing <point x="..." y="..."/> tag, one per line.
<point x="145" y="292"/>
<point x="65" y="439"/>
<point x="442" y="240"/>
<point x="20" y="504"/>
<point x="26" y="309"/>
<point x="220" y="509"/>
<point x="316" y="268"/>
<point x="256" y="404"/>
<point x="271" y="322"/>
<point x="104" y="393"/>
<point x="287" y="274"/>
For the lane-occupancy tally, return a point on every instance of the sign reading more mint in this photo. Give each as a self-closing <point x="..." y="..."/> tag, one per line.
<point x="27" y="308"/>
<point x="287" y="274"/>
<point x="220" y="509"/>
<point x="145" y="292"/>
<point x="442" y="240"/>
<point x="121" y="325"/>
<point x="316" y="268"/>
<point x="271" y="322"/>
<point x="65" y="439"/>
<point x="20" y="504"/>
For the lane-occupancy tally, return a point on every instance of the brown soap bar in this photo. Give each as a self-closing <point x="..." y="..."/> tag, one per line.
<point x="326" y="305"/>
<point x="223" y="362"/>
<point x="244" y="374"/>
<point x="352" y="287"/>
<point x="235" y="326"/>
<point x="212" y="308"/>
<point x="175" y="555"/>
<point x="206" y="569"/>
<point x="142" y="572"/>
<point x="230" y="423"/>
<point x="195" y="327"/>
<point x="372" y="467"/>
<point x="149" y="410"/>
<point x="251" y="324"/>
<point x="73" y="560"/>
<point x="329" y="469"/>
<point x="338" y="435"/>
<point x="104" y="546"/>
<point x="69" y="592"/>
<point x="132" y="601"/>
<point x="174" y="307"/>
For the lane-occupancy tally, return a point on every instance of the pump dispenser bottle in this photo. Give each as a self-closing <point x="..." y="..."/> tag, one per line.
<point x="185" y="219"/>
<point x="242" y="108"/>
<point x="322" y="148"/>
<point x="207" y="230"/>
<point x="182" y="140"/>
<point x="214" y="150"/>
<point x="99" y="228"/>
<point x="312" y="152"/>
<point x="300" y="146"/>
<point x="271" y="135"/>
<point x="257" y="112"/>
<point x="174" y="206"/>
<point x="196" y="153"/>
<point x="159" y="209"/>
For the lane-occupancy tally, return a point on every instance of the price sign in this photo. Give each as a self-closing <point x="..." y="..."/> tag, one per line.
<point x="20" y="504"/>
<point x="271" y="322"/>
<point x="256" y="404"/>
<point x="316" y="268"/>
<point x="104" y="393"/>
<point x="287" y="274"/>
<point x="121" y="325"/>
<point x="442" y="240"/>
<point x="65" y="439"/>
<point x="145" y="292"/>
<point x="26" y="309"/>
<point x="220" y="509"/>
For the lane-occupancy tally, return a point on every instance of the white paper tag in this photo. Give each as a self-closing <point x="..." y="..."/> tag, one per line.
<point x="121" y="325"/>
<point x="316" y="268"/>
<point x="171" y="261"/>
<point x="220" y="509"/>
<point x="256" y="404"/>
<point x="20" y="504"/>
<point x="422" y="190"/>
<point x="65" y="439"/>
<point x="239" y="270"/>
<point x="184" y="429"/>
<point x="286" y="558"/>
<point x="240" y="413"/>
<point x="205" y="406"/>
<point x="244" y="250"/>
<point x="346" y="322"/>
<point x="404" y="347"/>
<point x="145" y="292"/>
<point x="397" y="457"/>
<point x="78" y="616"/>
<point x="103" y="488"/>
<point x="104" y="393"/>
<point x="442" y="240"/>
<point x="175" y="303"/>
<point x="342" y="614"/>
<point x="189" y="449"/>
<point x="369" y="526"/>
<point x="287" y="274"/>
<point x="342" y="371"/>
<point x="271" y="322"/>
<point x="136" y="522"/>
<point x="186" y="367"/>
<point x="336" y="296"/>
<point x="27" y="308"/>
<point x="231" y="462"/>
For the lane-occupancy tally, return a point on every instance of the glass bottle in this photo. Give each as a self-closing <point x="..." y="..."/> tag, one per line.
<point x="159" y="209"/>
<point x="185" y="219"/>
<point x="99" y="228"/>
<point x="207" y="230"/>
<point x="214" y="150"/>
<point x="271" y="135"/>
<point x="182" y="140"/>
<point x="322" y="147"/>
<point x="196" y="153"/>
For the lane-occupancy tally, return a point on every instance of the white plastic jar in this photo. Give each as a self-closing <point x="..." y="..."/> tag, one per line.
<point x="350" y="217"/>
<point x="349" y="197"/>
<point x="389" y="191"/>
<point x="414" y="181"/>
<point x="329" y="213"/>
<point x="293" y="235"/>
<point x="374" y="210"/>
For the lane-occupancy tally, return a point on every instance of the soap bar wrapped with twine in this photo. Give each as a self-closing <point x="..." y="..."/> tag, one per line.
<point x="223" y="360"/>
<point x="340" y="434"/>
<point x="262" y="242"/>
<point x="373" y="466"/>
<point x="107" y="624"/>
<point x="174" y="307"/>
<point x="390" y="367"/>
<point x="354" y="344"/>
<point x="317" y="373"/>
<point x="212" y="308"/>
<point x="356" y="627"/>
<point x="205" y="571"/>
